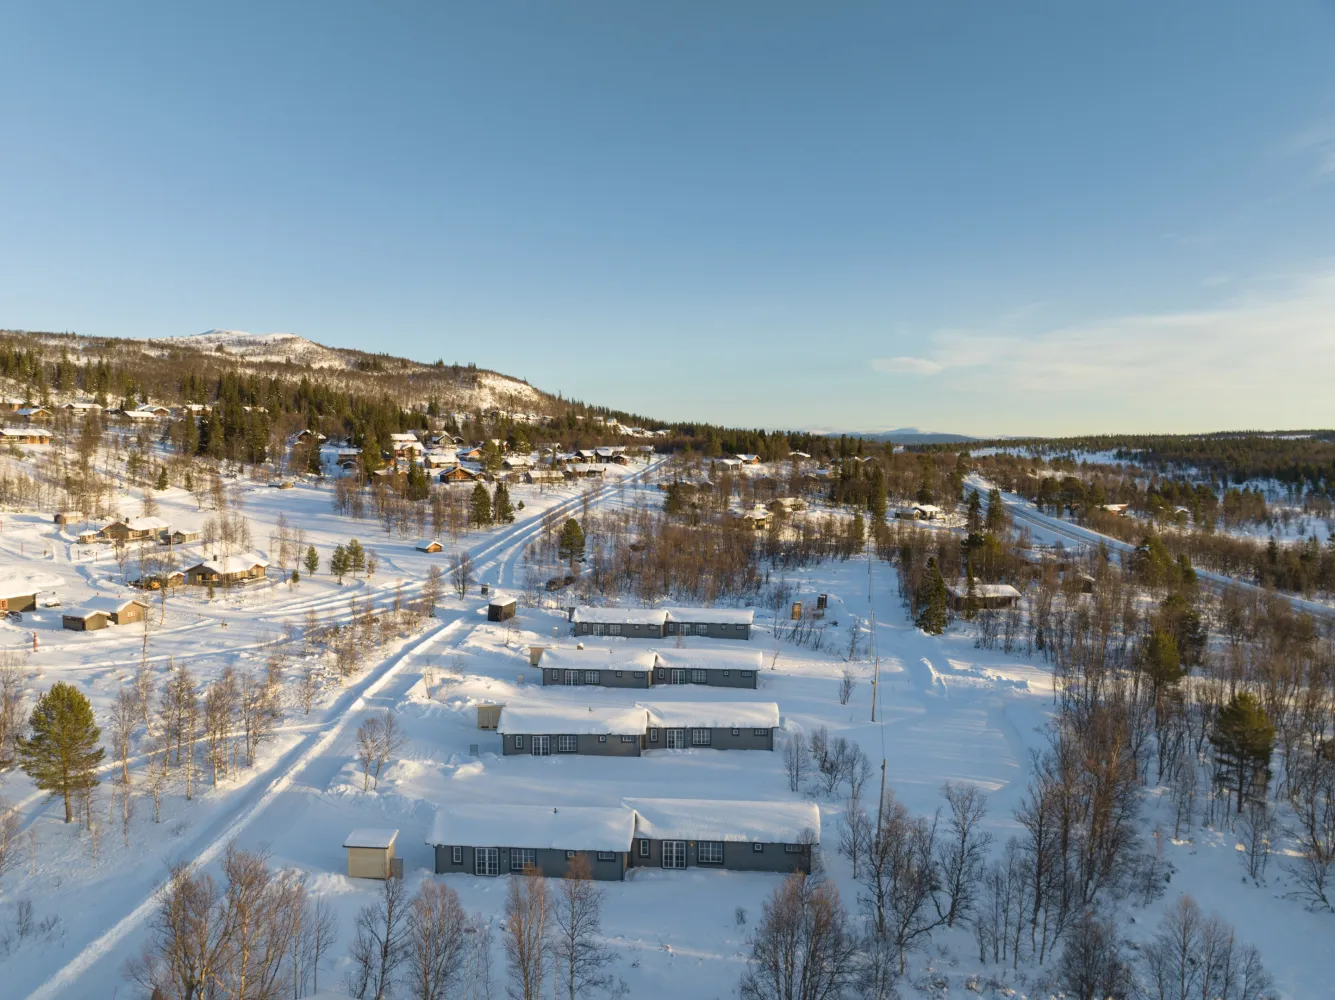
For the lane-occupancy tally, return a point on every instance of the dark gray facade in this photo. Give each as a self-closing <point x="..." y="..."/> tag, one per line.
<point x="606" y="866"/>
<point x="709" y="738"/>
<point x="647" y="852"/>
<point x="709" y="676"/>
<point x="588" y="744"/>
<point x="714" y="630"/>
<point x="627" y="630"/>
<point x="560" y="676"/>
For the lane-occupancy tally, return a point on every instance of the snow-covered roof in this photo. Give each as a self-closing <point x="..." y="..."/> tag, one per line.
<point x="620" y="616"/>
<point x="927" y="508"/>
<point x="142" y="524"/>
<point x="425" y="543"/>
<point x="102" y="606"/>
<point x="499" y="599"/>
<point x="370" y="837"/>
<point x="984" y="590"/>
<point x="711" y="659"/>
<point x="559" y="828"/>
<point x="598" y="658"/>
<point x="23" y="433"/>
<point x="405" y="438"/>
<point x="711" y="616"/>
<point x="572" y="719"/>
<point x="232" y="564"/>
<point x="745" y="822"/>
<point x="713" y="714"/>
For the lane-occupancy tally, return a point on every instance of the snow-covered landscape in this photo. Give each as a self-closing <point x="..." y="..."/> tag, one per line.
<point x="945" y="711"/>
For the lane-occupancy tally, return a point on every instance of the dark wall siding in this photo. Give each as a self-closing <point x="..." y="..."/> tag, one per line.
<point x="589" y="745"/>
<point x="715" y="677"/>
<point x="554" y="677"/>
<point x="552" y="863"/>
<point x="740" y="857"/>
<point x="719" y="739"/>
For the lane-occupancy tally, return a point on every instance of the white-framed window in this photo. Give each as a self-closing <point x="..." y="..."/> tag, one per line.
<point x="567" y="744"/>
<point x="614" y="630"/>
<point x="486" y="861"/>
<point x="676" y="739"/>
<point x="522" y="857"/>
<point x="709" y="852"/>
<point x="746" y="673"/>
<point x="760" y="732"/>
<point x="618" y="673"/>
<point x="593" y="677"/>
<point x="456" y="855"/>
<point x="699" y="676"/>
<point x="701" y="737"/>
<point x="639" y="675"/>
<point x="653" y="736"/>
<point x="602" y="738"/>
<point x="727" y="673"/>
<point x="542" y="746"/>
<point x="628" y="739"/>
<point x="644" y="848"/>
<point x="736" y="731"/>
<point x="793" y="848"/>
<point x="519" y="743"/>
<point x="569" y="855"/>
<point x="757" y="848"/>
<point x="702" y="629"/>
<point x="607" y="855"/>
<point x="674" y="854"/>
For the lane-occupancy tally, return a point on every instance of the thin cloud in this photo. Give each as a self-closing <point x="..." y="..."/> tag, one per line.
<point x="906" y="366"/>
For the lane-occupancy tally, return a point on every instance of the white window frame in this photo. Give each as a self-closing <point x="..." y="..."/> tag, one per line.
<point x="456" y="855"/>
<point x="644" y="847"/>
<point x="521" y="857"/>
<point x="793" y="848"/>
<point x="676" y="739"/>
<point x="715" y="852"/>
<point x="702" y="737"/>
<point x="760" y="732"/>
<point x="566" y="743"/>
<point x="674" y="854"/>
<point x="699" y="676"/>
<point x="602" y="738"/>
<point x="702" y="628"/>
<point x="486" y="861"/>
<point x="757" y="848"/>
<point x="746" y="673"/>
<point x="541" y="746"/>
<point x="519" y="743"/>
<point x="607" y="855"/>
<point x="614" y="629"/>
<point x="593" y="677"/>
<point x="736" y="731"/>
<point x="629" y="738"/>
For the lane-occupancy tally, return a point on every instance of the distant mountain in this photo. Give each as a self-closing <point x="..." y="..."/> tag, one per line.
<point x="908" y="435"/>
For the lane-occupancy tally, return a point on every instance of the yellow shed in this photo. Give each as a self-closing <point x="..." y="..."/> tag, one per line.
<point x="488" y="716"/>
<point x="370" y="853"/>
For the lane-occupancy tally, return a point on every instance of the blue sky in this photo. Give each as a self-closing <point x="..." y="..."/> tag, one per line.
<point x="988" y="218"/>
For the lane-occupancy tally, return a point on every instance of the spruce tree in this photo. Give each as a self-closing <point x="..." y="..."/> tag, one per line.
<point x="312" y="561"/>
<point x="356" y="557"/>
<point x="61" y="755"/>
<point x="502" y="511"/>
<point x="996" y="515"/>
<point x="876" y="499"/>
<point x="1243" y="740"/>
<point x="418" y="484"/>
<point x="1163" y="662"/>
<point x="338" y="563"/>
<point x="162" y="478"/>
<point x="479" y="512"/>
<point x="673" y="502"/>
<point x="933" y="616"/>
<point x="975" y="514"/>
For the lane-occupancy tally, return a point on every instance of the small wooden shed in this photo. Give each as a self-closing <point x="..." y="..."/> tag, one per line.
<point x="428" y="545"/>
<point x="371" y="853"/>
<point x="84" y="620"/>
<point x="501" y="608"/>
<point x="488" y="716"/>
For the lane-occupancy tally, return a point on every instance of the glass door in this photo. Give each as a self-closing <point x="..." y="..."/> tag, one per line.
<point x="674" y="854"/>
<point x="542" y="746"/>
<point x="676" y="739"/>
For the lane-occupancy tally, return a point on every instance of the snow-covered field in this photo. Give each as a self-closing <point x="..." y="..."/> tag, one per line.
<point x="947" y="712"/>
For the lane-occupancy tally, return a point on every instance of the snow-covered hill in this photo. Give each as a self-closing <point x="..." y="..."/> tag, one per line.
<point x="275" y="347"/>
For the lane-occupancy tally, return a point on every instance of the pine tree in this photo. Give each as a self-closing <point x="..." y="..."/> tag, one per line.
<point x="975" y="514"/>
<point x="479" y="512"/>
<point x="61" y="755"/>
<point x="419" y="486"/>
<point x="1243" y="740"/>
<point x="502" y="511"/>
<point x="356" y="557"/>
<point x="312" y="561"/>
<point x="162" y="478"/>
<point x="571" y="543"/>
<point x="933" y="616"/>
<point x="189" y="482"/>
<point x="996" y="515"/>
<point x="338" y="563"/>
<point x="1163" y="662"/>
<point x="876" y="500"/>
<point x="673" y="502"/>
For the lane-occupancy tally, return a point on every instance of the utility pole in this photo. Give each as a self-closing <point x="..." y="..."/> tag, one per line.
<point x="876" y="659"/>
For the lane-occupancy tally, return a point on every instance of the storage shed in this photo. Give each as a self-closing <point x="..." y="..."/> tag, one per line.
<point x="370" y="853"/>
<point x="500" y="608"/>
<point x="428" y="545"/>
<point x="488" y="716"/>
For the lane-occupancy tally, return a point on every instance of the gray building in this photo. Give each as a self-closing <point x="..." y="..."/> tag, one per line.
<point x="630" y="623"/>
<point x="650" y="623"/>
<point x="601" y="666"/>
<point x="572" y="729"/>
<point x="717" y="623"/>
<point x="711" y="725"/>
<point x="493" y="840"/>
<point x="740" y="836"/>
<point x="733" y="668"/>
